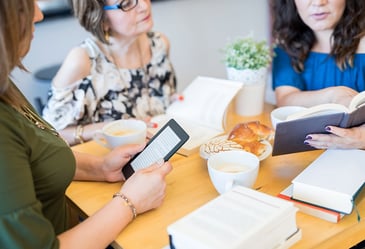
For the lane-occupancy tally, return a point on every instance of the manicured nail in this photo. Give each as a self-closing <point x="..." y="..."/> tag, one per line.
<point x="306" y="142"/>
<point x="309" y="137"/>
<point x="327" y="128"/>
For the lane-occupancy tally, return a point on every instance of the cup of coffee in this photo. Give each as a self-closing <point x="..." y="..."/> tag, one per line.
<point x="121" y="132"/>
<point x="229" y="168"/>
<point x="280" y="114"/>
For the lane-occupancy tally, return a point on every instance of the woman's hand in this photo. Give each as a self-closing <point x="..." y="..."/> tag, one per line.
<point x="340" y="138"/>
<point x="115" y="160"/>
<point x="146" y="187"/>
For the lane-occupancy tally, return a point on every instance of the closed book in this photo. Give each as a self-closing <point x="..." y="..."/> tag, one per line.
<point x="202" y="112"/>
<point x="332" y="181"/>
<point x="319" y="212"/>
<point x="240" y="218"/>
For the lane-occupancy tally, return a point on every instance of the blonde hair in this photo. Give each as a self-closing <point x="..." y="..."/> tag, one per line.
<point x="91" y="16"/>
<point x="16" y="22"/>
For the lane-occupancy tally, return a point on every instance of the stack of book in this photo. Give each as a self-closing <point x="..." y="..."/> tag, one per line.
<point x="330" y="184"/>
<point x="240" y="218"/>
<point x="307" y="208"/>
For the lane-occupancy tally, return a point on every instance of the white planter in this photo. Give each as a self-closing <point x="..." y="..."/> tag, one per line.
<point x="249" y="101"/>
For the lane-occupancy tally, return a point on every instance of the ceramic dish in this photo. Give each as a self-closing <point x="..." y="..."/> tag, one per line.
<point x="221" y="143"/>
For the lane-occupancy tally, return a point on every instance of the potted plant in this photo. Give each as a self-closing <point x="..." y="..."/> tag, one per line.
<point x="247" y="61"/>
<point x="246" y="54"/>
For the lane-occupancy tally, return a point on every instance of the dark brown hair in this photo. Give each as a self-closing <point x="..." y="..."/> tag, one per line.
<point x="297" y="39"/>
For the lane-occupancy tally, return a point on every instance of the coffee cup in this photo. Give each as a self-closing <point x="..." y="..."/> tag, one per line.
<point x="121" y="132"/>
<point x="229" y="168"/>
<point x="280" y="114"/>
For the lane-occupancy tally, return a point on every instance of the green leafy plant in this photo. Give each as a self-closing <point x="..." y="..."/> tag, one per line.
<point x="246" y="53"/>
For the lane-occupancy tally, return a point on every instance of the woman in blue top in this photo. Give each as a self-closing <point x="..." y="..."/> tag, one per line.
<point x="320" y="58"/>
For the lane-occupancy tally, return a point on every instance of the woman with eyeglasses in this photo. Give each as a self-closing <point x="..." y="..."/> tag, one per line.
<point x="122" y="71"/>
<point x="37" y="165"/>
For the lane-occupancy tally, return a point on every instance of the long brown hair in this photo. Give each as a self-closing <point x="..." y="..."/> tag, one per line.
<point x="16" y="21"/>
<point x="297" y="39"/>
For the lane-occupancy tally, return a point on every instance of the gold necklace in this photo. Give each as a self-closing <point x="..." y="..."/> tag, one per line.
<point x="37" y="121"/>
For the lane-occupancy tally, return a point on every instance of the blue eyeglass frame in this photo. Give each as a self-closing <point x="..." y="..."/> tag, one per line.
<point x="118" y="6"/>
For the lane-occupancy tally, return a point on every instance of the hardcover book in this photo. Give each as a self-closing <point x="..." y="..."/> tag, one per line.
<point x="290" y="134"/>
<point x="239" y="218"/>
<point x="332" y="181"/>
<point x="307" y="208"/>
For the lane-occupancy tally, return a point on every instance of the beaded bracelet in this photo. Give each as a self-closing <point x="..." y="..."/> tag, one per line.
<point x="128" y="203"/>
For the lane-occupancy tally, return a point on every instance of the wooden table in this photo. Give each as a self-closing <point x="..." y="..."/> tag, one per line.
<point x="189" y="187"/>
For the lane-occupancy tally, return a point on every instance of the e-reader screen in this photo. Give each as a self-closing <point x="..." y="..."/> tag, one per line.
<point x="162" y="145"/>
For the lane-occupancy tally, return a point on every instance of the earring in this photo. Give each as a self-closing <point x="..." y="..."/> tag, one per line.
<point x="107" y="36"/>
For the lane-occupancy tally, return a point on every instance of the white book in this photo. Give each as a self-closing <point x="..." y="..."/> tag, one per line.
<point x="240" y="218"/>
<point x="307" y="208"/>
<point x="202" y="113"/>
<point x="332" y="180"/>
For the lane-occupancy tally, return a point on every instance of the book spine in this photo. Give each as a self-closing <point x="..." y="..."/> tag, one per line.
<point x="322" y="213"/>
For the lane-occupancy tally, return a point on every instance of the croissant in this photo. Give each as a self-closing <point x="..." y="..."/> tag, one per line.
<point x="249" y="135"/>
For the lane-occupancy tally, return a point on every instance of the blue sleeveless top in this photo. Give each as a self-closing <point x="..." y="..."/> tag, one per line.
<point x="320" y="71"/>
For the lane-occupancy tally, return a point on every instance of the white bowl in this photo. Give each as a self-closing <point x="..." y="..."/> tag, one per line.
<point x="281" y="113"/>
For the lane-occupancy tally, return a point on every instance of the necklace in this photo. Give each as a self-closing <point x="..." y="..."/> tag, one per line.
<point x="37" y="121"/>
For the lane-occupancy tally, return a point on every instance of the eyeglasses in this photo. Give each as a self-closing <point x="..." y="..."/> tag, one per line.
<point x="125" y="5"/>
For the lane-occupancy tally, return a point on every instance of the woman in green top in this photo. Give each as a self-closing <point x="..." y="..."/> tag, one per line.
<point x="36" y="165"/>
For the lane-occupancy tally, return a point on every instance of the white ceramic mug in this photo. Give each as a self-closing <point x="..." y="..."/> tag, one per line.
<point x="281" y="113"/>
<point x="229" y="168"/>
<point x="121" y="132"/>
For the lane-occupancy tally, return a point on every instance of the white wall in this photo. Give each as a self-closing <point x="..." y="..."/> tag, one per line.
<point x="197" y="29"/>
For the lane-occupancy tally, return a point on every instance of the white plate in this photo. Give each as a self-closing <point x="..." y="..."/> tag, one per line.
<point x="221" y="143"/>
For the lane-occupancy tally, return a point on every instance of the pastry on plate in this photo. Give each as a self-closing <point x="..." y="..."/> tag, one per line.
<point x="250" y="136"/>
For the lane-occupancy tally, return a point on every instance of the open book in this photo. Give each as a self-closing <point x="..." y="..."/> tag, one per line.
<point x="202" y="112"/>
<point x="290" y="134"/>
<point x="240" y="218"/>
<point x="332" y="181"/>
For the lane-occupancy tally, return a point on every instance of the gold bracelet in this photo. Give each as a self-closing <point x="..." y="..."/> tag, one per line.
<point x="78" y="134"/>
<point x="128" y="203"/>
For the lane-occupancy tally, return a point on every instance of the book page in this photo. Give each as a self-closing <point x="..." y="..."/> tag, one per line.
<point x="205" y="101"/>
<point x="197" y="134"/>
<point x="202" y="112"/>
<point x="235" y="220"/>
<point x="357" y="101"/>
<point x="319" y="110"/>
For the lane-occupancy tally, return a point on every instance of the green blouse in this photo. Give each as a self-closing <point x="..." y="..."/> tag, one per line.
<point x="36" y="167"/>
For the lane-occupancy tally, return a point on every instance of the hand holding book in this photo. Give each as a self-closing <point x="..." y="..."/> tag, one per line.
<point x="291" y="134"/>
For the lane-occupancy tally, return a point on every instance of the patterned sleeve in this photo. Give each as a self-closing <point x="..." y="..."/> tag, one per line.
<point x="66" y="106"/>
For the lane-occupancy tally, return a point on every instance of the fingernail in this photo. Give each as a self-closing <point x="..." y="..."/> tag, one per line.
<point x="327" y="128"/>
<point x="160" y="162"/>
<point x="309" y="137"/>
<point x="306" y="142"/>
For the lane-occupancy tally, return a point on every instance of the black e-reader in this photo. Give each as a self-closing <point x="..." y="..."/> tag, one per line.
<point x="165" y="143"/>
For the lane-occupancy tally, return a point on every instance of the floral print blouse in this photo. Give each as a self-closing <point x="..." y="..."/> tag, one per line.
<point x="111" y="93"/>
